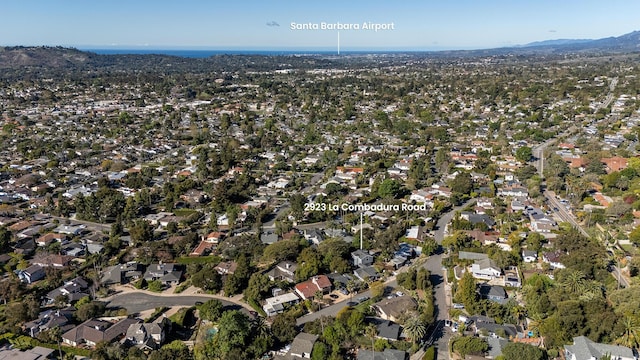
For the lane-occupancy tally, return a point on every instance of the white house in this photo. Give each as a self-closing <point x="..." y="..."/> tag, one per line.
<point x="421" y="196"/>
<point x="485" y="269"/>
<point x="553" y="259"/>
<point x="222" y="220"/>
<point x="529" y="256"/>
<point x="275" y="305"/>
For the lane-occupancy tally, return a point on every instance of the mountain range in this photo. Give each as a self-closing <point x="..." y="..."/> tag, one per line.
<point x="625" y="43"/>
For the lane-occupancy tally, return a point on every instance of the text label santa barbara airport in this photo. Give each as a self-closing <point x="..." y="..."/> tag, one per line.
<point x="369" y="26"/>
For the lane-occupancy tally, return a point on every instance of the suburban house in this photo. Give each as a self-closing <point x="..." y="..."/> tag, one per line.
<point x="209" y="242"/>
<point x="484" y="237"/>
<point x="485" y="269"/>
<point x="518" y="204"/>
<point x="167" y="274"/>
<point x="367" y="273"/>
<point x="226" y="267"/>
<point x="421" y="196"/>
<point x="614" y="164"/>
<point x="553" y="259"/>
<point x="492" y="292"/>
<point x="70" y="229"/>
<point x="504" y="331"/>
<point x="49" y="238"/>
<point x="50" y="319"/>
<point x="277" y="304"/>
<point x="203" y="248"/>
<point x="302" y="345"/>
<point x="314" y="236"/>
<point x="485" y="203"/>
<point x="31" y="274"/>
<point x="308" y="289"/>
<point x="388" y="330"/>
<point x="488" y="324"/>
<point x="52" y="260"/>
<point x="542" y="223"/>
<point x="416" y="233"/>
<point x="478" y="218"/>
<point x="585" y="349"/>
<point x="74" y="290"/>
<point x="122" y="273"/>
<point x="513" y="191"/>
<point x="397" y="261"/>
<point x="146" y="336"/>
<point x="284" y="271"/>
<point x="213" y="237"/>
<point x="361" y="258"/>
<point x="340" y="281"/>
<point x="529" y="256"/>
<point x="93" y="331"/>
<point x="392" y="309"/>
<point x="512" y="277"/>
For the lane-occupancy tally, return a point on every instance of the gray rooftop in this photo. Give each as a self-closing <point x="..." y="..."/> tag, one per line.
<point x="585" y="349"/>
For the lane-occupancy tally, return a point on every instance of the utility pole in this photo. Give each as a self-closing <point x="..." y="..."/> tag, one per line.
<point x="361" y="230"/>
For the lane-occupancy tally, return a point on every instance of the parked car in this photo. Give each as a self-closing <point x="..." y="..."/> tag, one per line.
<point x="352" y="303"/>
<point x="458" y="306"/>
<point x="362" y="299"/>
<point x="344" y="291"/>
<point x="465" y="320"/>
<point x="334" y="296"/>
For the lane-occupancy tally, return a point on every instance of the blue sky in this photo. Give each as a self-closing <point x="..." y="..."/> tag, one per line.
<point x="214" y="24"/>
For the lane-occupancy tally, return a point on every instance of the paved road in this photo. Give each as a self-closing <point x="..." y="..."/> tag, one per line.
<point x="136" y="302"/>
<point x="565" y="215"/>
<point x="105" y="228"/>
<point x="445" y="219"/>
<point x="619" y="276"/>
<point x="441" y="289"/>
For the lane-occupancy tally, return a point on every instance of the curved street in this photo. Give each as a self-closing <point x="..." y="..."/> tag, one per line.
<point x="138" y="301"/>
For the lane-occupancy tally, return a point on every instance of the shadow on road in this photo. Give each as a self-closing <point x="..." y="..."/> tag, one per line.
<point x="436" y="279"/>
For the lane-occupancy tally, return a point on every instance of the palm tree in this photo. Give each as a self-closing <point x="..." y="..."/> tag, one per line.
<point x="415" y="328"/>
<point x="591" y="290"/>
<point x="574" y="281"/>
<point x="517" y="312"/>
<point x="260" y="327"/>
<point x="629" y="337"/>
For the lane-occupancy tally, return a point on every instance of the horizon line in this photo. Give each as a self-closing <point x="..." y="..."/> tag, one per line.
<point x="267" y="48"/>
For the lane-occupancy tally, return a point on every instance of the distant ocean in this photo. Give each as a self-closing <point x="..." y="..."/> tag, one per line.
<point x="208" y="53"/>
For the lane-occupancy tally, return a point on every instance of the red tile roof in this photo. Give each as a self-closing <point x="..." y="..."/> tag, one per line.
<point x="310" y="287"/>
<point x="615" y="163"/>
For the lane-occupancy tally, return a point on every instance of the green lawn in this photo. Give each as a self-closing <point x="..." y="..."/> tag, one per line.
<point x="185" y="260"/>
<point x="184" y="212"/>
